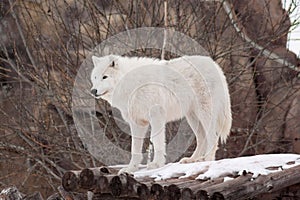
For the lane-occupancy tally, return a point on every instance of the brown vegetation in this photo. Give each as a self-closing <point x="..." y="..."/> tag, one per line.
<point x="43" y="43"/>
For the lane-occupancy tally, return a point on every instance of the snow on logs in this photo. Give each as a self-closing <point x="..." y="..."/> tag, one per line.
<point x="104" y="181"/>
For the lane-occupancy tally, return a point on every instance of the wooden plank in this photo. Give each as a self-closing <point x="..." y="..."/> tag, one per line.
<point x="244" y="186"/>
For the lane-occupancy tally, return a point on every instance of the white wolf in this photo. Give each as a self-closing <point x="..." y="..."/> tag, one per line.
<point x="153" y="92"/>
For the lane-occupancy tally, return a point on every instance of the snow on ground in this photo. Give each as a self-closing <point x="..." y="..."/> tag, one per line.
<point x="258" y="165"/>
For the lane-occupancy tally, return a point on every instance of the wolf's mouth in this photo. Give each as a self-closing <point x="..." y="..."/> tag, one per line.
<point x="104" y="93"/>
<point x="98" y="96"/>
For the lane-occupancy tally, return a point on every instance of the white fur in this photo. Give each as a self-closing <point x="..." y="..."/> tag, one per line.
<point x="153" y="92"/>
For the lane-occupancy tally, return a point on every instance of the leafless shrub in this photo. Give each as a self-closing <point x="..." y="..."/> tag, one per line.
<point x="44" y="42"/>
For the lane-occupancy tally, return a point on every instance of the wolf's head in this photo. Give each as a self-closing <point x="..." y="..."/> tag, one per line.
<point x="104" y="76"/>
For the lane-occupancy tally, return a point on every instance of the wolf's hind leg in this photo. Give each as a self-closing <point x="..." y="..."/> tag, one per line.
<point x="211" y="151"/>
<point x="199" y="132"/>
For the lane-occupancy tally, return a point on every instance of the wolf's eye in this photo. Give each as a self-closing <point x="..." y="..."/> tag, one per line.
<point x="105" y="77"/>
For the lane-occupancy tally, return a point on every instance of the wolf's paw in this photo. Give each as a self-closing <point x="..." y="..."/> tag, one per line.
<point x="129" y="170"/>
<point x="154" y="165"/>
<point x="186" y="160"/>
<point x="190" y="160"/>
<point x="209" y="158"/>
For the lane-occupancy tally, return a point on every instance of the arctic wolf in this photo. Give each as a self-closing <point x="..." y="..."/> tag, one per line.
<point x="153" y="92"/>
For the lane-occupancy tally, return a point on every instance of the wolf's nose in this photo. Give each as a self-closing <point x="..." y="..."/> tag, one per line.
<point x="94" y="92"/>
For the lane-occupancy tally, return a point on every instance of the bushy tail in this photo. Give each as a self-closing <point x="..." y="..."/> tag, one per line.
<point x="224" y="124"/>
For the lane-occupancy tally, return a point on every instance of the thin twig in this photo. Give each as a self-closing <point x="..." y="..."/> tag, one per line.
<point x="165" y="30"/>
<point x="21" y="34"/>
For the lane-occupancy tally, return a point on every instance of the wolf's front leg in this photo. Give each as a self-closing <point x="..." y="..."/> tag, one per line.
<point x="158" y="137"/>
<point x="137" y="140"/>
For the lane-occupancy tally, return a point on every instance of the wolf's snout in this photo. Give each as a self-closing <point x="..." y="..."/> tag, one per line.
<point x="94" y="92"/>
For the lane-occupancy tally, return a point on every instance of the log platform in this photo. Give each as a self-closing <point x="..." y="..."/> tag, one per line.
<point x="105" y="183"/>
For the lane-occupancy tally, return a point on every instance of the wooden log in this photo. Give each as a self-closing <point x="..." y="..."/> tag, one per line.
<point x="157" y="191"/>
<point x="173" y="192"/>
<point x="135" y="188"/>
<point x="102" y="185"/>
<point x="217" y="196"/>
<point x="196" y="189"/>
<point x="117" y="185"/>
<point x="83" y="180"/>
<point x="291" y="192"/>
<point x="143" y="191"/>
<point x="175" y="181"/>
<point x="70" y="181"/>
<point x="218" y="190"/>
<point x="188" y="183"/>
<point x="87" y="179"/>
<point x="203" y="185"/>
<point x="121" y="186"/>
<point x="101" y="182"/>
<point x="285" y="178"/>
<point x="202" y="194"/>
<point x="263" y="184"/>
<point x="146" y="180"/>
<point x="187" y="186"/>
<point x="187" y="194"/>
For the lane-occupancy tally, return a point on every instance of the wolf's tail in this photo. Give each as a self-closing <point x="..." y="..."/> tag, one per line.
<point x="224" y="123"/>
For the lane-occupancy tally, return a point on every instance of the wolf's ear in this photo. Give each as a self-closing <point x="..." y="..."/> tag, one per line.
<point x="96" y="61"/>
<point x="113" y="60"/>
